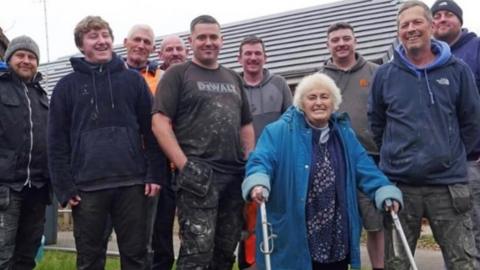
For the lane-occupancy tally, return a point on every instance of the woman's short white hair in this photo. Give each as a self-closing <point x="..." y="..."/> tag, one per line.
<point x="317" y="81"/>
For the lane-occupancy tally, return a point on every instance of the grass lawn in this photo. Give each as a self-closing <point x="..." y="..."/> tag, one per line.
<point x="59" y="260"/>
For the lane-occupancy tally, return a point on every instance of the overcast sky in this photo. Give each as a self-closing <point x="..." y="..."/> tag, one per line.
<point x="166" y="17"/>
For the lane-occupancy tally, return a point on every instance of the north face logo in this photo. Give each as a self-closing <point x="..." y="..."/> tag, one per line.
<point x="443" y="81"/>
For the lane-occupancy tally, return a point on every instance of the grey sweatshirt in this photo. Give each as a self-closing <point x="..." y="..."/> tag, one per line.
<point x="268" y="100"/>
<point x="355" y="85"/>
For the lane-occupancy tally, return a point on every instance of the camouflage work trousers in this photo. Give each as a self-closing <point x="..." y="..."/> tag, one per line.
<point x="474" y="182"/>
<point x="447" y="209"/>
<point x="210" y="225"/>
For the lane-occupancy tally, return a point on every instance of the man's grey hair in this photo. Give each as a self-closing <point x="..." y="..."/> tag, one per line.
<point x="139" y="27"/>
<point x="415" y="3"/>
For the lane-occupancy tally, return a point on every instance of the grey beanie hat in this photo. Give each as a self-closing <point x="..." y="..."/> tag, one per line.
<point x="22" y="43"/>
<point x="448" y="5"/>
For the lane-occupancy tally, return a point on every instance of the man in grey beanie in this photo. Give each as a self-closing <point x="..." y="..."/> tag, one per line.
<point x="24" y="178"/>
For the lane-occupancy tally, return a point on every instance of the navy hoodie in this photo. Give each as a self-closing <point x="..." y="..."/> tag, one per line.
<point x="99" y="132"/>
<point x="425" y="120"/>
<point x="467" y="48"/>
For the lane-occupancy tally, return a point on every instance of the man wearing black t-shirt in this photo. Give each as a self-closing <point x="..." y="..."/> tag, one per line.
<point x="203" y="124"/>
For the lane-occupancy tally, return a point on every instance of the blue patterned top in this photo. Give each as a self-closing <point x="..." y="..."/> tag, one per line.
<point x="327" y="224"/>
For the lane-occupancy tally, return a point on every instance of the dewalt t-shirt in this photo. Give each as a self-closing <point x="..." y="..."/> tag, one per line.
<point x="207" y="108"/>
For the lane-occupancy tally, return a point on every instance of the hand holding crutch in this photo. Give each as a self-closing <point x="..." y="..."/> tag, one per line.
<point x="260" y="194"/>
<point x="390" y="207"/>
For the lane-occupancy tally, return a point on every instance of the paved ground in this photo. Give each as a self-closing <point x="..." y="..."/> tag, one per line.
<point x="426" y="259"/>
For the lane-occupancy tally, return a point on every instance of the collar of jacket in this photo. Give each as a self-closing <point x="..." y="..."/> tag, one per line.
<point x="465" y="37"/>
<point x="336" y="119"/>
<point x="267" y="76"/>
<point x="8" y="74"/>
<point x="440" y="49"/>
<point x="359" y="63"/>
<point x="151" y="67"/>
<point x="79" y="64"/>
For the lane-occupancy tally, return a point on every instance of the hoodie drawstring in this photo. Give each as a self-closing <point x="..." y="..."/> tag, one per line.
<point x="110" y="88"/>
<point x="95" y="93"/>
<point x="432" y="101"/>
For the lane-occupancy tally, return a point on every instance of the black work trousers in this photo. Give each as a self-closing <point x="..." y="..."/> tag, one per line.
<point x="127" y="208"/>
<point x="162" y="242"/>
<point x="22" y="218"/>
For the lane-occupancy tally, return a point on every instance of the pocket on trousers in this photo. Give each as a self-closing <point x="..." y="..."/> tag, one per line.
<point x="461" y="197"/>
<point x="469" y="240"/>
<point x="4" y="197"/>
<point x="196" y="178"/>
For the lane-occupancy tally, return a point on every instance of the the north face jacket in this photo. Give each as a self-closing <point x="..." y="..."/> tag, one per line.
<point x="425" y="120"/>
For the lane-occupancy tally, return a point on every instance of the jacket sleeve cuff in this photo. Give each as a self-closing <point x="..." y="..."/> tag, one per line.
<point x="154" y="180"/>
<point x="256" y="179"/>
<point x="157" y="169"/>
<point x="388" y="192"/>
<point x="65" y="197"/>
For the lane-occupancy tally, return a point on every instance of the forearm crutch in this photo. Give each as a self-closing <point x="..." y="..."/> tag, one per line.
<point x="401" y="233"/>
<point x="265" y="246"/>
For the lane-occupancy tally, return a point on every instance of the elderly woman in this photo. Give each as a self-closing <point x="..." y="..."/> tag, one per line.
<point x="311" y="163"/>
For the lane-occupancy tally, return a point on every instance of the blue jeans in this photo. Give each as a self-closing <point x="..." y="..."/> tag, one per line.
<point x="22" y="218"/>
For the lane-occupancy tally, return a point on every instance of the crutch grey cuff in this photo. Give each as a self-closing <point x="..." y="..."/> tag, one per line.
<point x="256" y="179"/>
<point x="388" y="192"/>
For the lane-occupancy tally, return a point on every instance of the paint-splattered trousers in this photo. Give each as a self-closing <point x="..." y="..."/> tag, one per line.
<point x="209" y="206"/>
<point x="22" y="218"/>
<point x="474" y="182"/>
<point x="448" y="210"/>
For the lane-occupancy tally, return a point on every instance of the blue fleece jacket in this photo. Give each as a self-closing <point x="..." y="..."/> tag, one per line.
<point x="425" y="120"/>
<point x="281" y="162"/>
<point x="99" y="130"/>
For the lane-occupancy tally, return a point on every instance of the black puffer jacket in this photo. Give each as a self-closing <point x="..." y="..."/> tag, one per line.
<point x="23" y="128"/>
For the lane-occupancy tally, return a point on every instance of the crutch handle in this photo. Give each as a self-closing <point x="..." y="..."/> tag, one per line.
<point x="265" y="193"/>
<point x="401" y="233"/>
